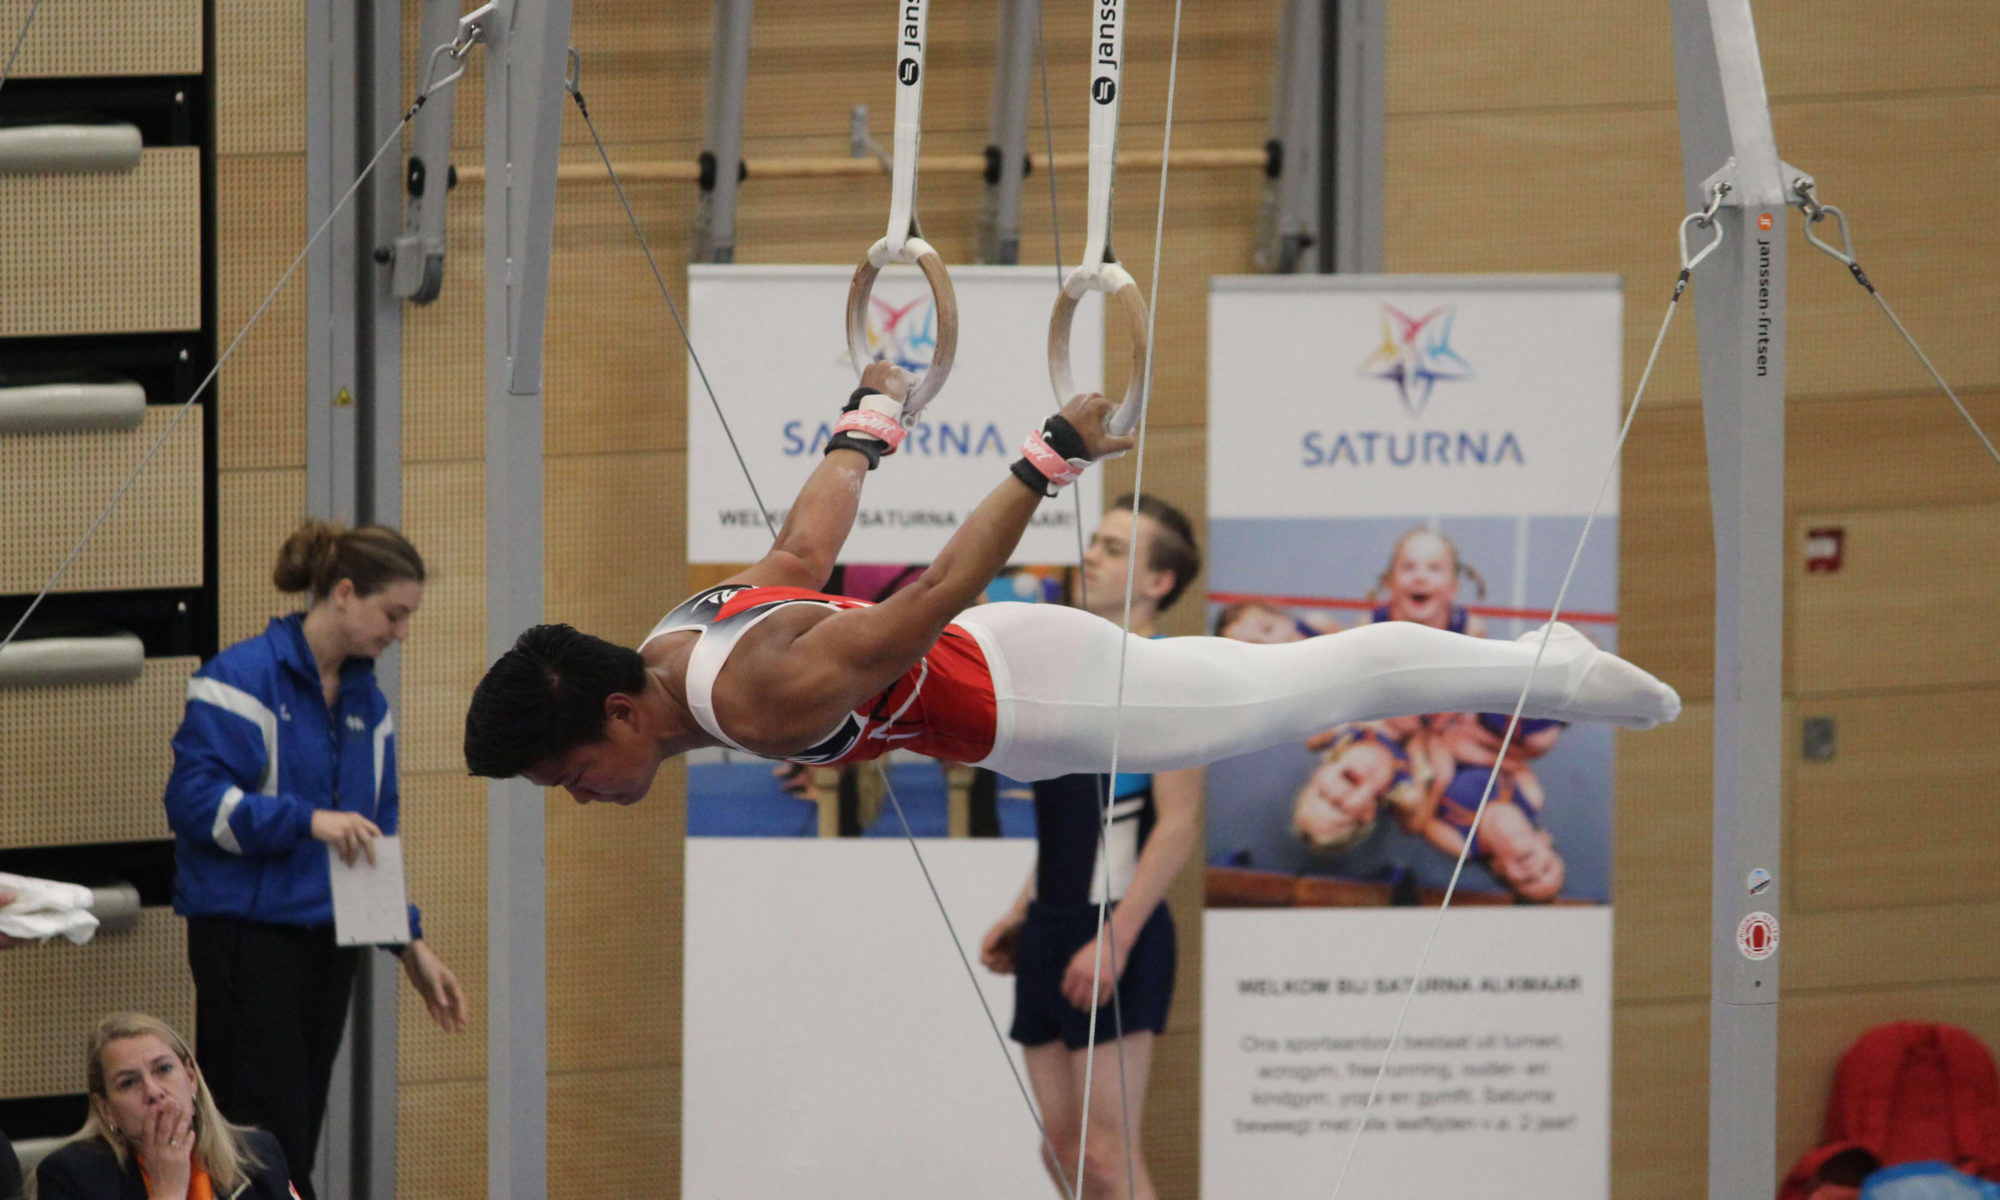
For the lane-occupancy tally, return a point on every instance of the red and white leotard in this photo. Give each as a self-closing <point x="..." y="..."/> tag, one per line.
<point x="943" y="706"/>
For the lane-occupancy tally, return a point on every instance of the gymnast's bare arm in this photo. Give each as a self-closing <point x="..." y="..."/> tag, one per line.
<point x="823" y="514"/>
<point x="800" y="671"/>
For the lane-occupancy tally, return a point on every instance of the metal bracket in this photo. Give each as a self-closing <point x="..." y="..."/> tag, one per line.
<point x="418" y="253"/>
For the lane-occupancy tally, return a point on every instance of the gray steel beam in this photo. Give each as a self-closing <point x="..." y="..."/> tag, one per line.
<point x="379" y="498"/>
<point x="1353" y="121"/>
<point x="526" y="61"/>
<point x="354" y="474"/>
<point x="1740" y="307"/>
<point x="331" y="163"/>
<point x="999" y="239"/>
<point x="722" y="134"/>
<point x="1288" y="222"/>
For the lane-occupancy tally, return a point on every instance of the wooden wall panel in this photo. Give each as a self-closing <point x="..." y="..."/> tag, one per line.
<point x="1885" y="822"/>
<point x="444" y="836"/>
<point x="260" y="73"/>
<point x="441" y="1139"/>
<point x="1902" y="168"/>
<point x="1911" y="606"/>
<point x="260" y="227"/>
<point x="1661" y="866"/>
<point x="615" y="897"/>
<point x="444" y="517"/>
<point x="620" y="383"/>
<point x="259" y="511"/>
<point x="612" y="544"/>
<point x="103" y="253"/>
<point x="616" y="1133"/>
<point x="52" y="795"/>
<point x="1666" y="552"/>
<point x="1450" y="57"/>
<point x="1909" y="451"/>
<point x="58" y="483"/>
<point x="112" y="37"/>
<point x="1170" y="1128"/>
<point x="1659" y="1100"/>
<point x="1496" y="192"/>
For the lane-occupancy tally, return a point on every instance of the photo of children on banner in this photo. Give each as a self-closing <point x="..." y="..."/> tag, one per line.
<point x="1389" y="805"/>
<point x="735" y="795"/>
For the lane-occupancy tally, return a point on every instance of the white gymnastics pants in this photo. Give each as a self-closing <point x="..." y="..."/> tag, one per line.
<point x="1194" y="700"/>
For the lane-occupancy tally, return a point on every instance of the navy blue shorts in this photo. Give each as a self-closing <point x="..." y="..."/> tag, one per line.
<point x="1049" y="938"/>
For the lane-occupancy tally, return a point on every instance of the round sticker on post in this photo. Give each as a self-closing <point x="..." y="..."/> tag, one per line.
<point x="1757" y="936"/>
<point x="1759" y="882"/>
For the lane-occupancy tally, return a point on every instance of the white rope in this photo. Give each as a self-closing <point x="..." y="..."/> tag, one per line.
<point x="1100" y="209"/>
<point x="1514" y="721"/>
<point x="395" y="135"/>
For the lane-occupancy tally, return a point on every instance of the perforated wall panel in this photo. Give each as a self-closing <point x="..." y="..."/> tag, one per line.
<point x="260" y="228"/>
<point x="88" y="764"/>
<point x="259" y="510"/>
<point x="105" y="37"/>
<point x="55" y="995"/>
<point x="103" y="253"/>
<point x="57" y="483"/>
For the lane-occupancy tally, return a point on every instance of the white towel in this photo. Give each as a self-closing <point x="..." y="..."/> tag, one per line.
<point x="46" y="908"/>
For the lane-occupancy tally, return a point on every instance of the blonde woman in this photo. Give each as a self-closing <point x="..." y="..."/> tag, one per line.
<point x="154" y="1132"/>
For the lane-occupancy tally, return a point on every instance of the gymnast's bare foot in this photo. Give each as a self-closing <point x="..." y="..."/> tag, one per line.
<point x="1602" y="686"/>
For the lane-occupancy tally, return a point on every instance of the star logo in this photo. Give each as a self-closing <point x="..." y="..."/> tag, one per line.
<point x="1415" y="353"/>
<point x="903" y="334"/>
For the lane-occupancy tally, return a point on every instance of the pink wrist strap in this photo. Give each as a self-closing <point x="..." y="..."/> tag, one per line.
<point x="1059" y="471"/>
<point x="880" y="426"/>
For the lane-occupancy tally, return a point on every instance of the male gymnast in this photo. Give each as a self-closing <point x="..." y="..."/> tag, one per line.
<point x="767" y="664"/>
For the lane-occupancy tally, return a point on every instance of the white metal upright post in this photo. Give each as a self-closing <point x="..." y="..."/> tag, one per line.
<point x="1726" y="138"/>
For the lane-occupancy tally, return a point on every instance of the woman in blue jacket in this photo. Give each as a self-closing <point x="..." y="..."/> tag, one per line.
<point x="287" y="754"/>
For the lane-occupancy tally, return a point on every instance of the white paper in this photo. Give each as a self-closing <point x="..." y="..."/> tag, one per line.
<point x="370" y="907"/>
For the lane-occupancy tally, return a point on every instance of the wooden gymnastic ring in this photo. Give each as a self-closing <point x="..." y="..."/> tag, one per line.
<point x="919" y="252"/>
<point x="1114" y="279"/>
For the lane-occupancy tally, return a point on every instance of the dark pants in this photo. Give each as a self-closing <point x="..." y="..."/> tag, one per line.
<point x="270" y="1007"/>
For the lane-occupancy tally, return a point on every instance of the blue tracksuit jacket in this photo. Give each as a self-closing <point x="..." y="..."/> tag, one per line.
<point x="256" y="753"/>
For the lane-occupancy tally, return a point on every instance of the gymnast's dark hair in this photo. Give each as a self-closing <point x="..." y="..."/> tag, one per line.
<point x="1174" y="550"/>
<point x="544" y="698"/>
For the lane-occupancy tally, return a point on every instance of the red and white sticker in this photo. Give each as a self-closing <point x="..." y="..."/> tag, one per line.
<point x="1757" y="936"/>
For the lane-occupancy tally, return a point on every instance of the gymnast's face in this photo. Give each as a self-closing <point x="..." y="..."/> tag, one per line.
<point x="1339" y="802"/>
<point x="369" y="625"/>
<point x="1423" y="580"/>
<point x="616" y="769"/>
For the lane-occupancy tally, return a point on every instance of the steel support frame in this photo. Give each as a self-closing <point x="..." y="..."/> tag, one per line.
<point x="1726" y="137"/>
<point x="1353" y="122"/>
<point x="354" y="473"/>
<point x="722" y="134"/>
<point x="1288" y="223"/>
<point x="526" y="63"/>
<point x="999" y="233"/>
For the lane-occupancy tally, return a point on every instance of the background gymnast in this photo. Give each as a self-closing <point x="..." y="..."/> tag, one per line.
<point x="766" y="664"/>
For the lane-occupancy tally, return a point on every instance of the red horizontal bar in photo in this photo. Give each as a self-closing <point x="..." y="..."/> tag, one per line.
<point x="1346" y="605"/>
